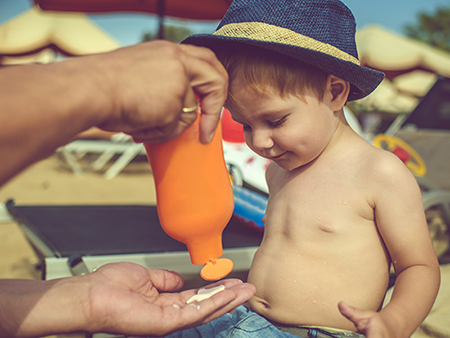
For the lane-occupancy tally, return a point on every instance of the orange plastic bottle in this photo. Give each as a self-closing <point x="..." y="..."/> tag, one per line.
<point x="194" y="196"/>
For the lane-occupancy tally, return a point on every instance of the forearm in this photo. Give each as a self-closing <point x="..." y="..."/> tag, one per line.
<point x="30" y="308"/>
<point x="43" y="107"/>
<point x="413" y="296"/>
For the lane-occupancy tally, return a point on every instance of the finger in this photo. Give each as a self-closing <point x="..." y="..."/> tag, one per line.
<point x="346" y="310"/>
<point x="219" y="304"/>
<point x="165" y="280"/>
<point x="357" y="316"/>
<point x="164" y="133"/>
<point x="208" y="125"/>
<point x="189" y="102"/>
<point x="210" y="83"/>
<point x="151" y="135"/>
<point x="243" y="293"/>
<point x="180" y="317"/>
<point x="205" y="54"/>
<point x="176" y="315"/>
<point x="227" y="283"/>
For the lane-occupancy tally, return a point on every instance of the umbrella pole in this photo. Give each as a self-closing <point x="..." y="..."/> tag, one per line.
<point x="161" y="13"/>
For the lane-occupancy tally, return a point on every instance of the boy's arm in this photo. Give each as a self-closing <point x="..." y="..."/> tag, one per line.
<point x="402" y="224"/>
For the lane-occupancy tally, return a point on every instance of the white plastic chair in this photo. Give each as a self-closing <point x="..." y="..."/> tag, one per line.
<point x="120" y="143"/>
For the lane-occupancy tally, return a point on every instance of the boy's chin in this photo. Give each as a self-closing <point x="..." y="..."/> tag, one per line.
<point x="289" y="165"/>
<point x="286" y="165"/>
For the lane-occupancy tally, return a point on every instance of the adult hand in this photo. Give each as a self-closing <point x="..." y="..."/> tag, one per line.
<point x="118" y="298"/>
<point x="150" y="84"/>
<point x="129" y="299"/>
<point x="140" y="90"/>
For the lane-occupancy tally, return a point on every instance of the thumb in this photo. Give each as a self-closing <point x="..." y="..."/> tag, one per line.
<point x="347" y="311"/>
<point x="166" y="280"/>
<point x="358" y="317"/>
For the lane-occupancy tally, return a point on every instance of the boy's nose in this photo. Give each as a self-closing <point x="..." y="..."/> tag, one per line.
<point x="261" y="139"/>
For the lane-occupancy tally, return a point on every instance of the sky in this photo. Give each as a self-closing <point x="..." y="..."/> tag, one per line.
<point x="129" y="28"/>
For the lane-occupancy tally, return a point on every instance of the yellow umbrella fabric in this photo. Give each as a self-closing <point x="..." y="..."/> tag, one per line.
<point x="45" y="56"/>
<point x="411" y="67"/>
<point x="72" y="33"/>
<point x="385" y="50"/>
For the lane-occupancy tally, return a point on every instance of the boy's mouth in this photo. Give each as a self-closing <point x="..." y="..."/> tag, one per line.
<point x="276" y="157"/>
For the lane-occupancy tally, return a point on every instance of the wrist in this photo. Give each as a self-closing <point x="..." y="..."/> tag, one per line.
<point x="32" y="308"/>
<point x="87" y="88"/>
<point x="396" y="324"/>
<point x="61" y="308"/>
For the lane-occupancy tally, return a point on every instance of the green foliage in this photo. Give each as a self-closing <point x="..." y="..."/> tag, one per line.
<point x="171" y="33"/>
<point x="433" y="29"/>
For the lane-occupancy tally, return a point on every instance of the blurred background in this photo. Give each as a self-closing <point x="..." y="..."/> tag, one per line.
<point x="408" y="40"/>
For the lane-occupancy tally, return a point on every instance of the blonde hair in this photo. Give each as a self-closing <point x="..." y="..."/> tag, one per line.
<point x="261" y="69"/>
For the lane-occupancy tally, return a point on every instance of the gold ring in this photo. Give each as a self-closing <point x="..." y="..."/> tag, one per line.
<point x="191" y="109"/>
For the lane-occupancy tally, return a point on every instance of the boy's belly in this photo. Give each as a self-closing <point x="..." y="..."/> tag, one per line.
<point x="302" y="284"/>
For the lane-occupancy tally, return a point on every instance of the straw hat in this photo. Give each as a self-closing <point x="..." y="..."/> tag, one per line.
<point x="318" y="32"/>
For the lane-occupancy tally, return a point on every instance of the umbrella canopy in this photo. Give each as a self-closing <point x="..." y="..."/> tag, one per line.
<point x="395" y="54"/>
<point x="417" y="82"/>
<point x="70" y="33"/>
<point x="410" y="67"/>
<point x="192" y="9"/>
<point x="388" y="99"/>
<point x="44" y="56"/>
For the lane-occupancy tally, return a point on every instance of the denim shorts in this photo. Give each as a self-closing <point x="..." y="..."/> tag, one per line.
<point x="244" y="322"/>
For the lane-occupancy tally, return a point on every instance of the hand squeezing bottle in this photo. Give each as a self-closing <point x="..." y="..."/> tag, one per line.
<point x="194" y="196"/>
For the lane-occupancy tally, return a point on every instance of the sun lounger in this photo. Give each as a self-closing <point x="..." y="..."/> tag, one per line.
<point x="71" y="240"/>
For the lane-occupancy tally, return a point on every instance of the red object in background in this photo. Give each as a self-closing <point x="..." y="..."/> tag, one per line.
<point x="186" y="9"/>
<point x="231" y="130"/>
<point x="401" y="153"/>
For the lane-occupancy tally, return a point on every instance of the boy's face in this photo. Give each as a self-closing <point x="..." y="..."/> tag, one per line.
<point x="292" y="132"/>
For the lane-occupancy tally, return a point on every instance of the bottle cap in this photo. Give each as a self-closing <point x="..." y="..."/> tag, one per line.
<point x="216" y="269"/>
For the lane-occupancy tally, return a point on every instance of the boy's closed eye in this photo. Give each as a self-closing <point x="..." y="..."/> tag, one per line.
<point x="272" y="124"/>
<point x="278" y="122"/>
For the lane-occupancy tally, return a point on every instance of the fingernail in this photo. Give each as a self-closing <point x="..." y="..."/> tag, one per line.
<point x="211" y="136"/>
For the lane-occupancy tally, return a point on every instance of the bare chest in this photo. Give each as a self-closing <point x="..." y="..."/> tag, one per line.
<point x="323" y="203"/>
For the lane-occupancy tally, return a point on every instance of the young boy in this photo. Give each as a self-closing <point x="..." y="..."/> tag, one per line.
<point x="340" y="211"/>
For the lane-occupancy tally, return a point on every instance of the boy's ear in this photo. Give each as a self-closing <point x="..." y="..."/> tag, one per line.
<point x="337" y="91"/>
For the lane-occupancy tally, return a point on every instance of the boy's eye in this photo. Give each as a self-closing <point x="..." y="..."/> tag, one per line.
<point x="278" y="122"/>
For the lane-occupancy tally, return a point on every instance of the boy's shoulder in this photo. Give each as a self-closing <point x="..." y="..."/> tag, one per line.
<point x="384" y="163"/>
<point x="384" y="170"/>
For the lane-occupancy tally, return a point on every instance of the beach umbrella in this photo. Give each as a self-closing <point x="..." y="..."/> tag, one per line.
<point x="192" y="9"/>
<point x="396" y="54"/>
<point x="411" y="68"/>
<point x="69" y="33"/>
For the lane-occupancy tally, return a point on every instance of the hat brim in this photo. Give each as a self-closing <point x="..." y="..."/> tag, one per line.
<point x="363" y="80"/>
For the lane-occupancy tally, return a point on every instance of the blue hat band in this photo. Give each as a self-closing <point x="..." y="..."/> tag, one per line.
<point x="263" y="32"/>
